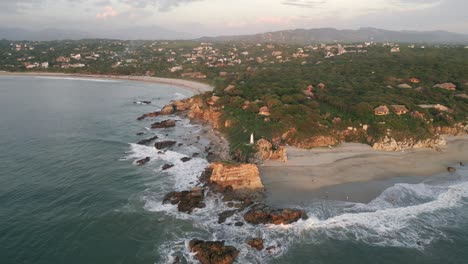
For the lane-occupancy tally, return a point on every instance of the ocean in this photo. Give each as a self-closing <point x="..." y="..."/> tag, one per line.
<point x="71" y="192"/>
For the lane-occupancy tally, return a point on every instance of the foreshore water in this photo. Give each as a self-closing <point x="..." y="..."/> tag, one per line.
<point x="71" y="191"/>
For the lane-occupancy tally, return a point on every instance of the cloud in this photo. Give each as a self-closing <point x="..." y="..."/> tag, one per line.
<point x="107" y="13"/>
<point x="163" y="5"/>
<point x="305" y="3"/>
<point x="18" y="6"/>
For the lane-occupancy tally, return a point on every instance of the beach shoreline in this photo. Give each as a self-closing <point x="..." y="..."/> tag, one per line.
<point x="307" y="173"/>
<point x="193" y="86"/>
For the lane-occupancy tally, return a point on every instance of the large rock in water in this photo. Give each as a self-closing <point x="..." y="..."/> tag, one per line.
<point x="143" y="161"/>
<point x="154" y="114"/>
<point x="164" y="124"/>
<point x="164" y="144"/>
<point x="147" y="141"/>
<point x="237" y="177"/>
<point x="186" y="201"/>
<point x="276" y="217"/>
<point x="256" y="243"/>
<point x="213" y="252"/>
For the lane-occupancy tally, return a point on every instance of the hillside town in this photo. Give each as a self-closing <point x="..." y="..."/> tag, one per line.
<point x="170" y="58"/>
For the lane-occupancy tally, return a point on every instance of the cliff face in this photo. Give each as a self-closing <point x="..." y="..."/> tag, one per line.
<point x="198" y="109"/>
<point x="239" y="177"/>
<point x="314" y="142"/>
<point x="390" y="144"/>
<point x="458" y="129"/>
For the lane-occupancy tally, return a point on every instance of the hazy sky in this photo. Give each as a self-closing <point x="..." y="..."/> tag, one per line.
<point x="221" y="17"/>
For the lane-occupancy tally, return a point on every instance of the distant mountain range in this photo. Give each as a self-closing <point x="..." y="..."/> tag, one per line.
<point x="131" y="33"/>
<point x="305" y="36"/>
<point x="296" y="36"/>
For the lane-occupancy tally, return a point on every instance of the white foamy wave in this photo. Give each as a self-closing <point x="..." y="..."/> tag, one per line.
<point x="178" y="96"/>
<point x="411" y="226"/>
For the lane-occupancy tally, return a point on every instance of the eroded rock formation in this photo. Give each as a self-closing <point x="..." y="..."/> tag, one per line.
<point x="213" y="252"/>
<point x="237" y="177"/>
<point x="164" y="124"/>
<point x="274" y="216"/>
<point x="186" y="201"/>
<point x="390" y="144"/>
<point x="147" y="141"/>
<point x="266" y="151"/>
<point x="164" y="144"/>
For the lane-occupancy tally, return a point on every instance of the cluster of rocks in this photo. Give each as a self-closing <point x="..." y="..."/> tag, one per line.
<point x="186" y="201"/>
<point x="213" y="252"/>
<point x="237" y="182"/>
<point x="391" y="144"/>
<point x="274" y="216"/>
<point x="164" y="144"/>
<point x="143" y="161"/>
<point x="147" y="141"/>
<point x="164" y="124"/>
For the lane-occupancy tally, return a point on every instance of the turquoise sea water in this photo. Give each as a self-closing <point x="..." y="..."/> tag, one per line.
<point x="71" y="193"/>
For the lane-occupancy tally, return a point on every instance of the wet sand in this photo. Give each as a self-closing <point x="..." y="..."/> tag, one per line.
<point x="193" y="86"/>
<point x="353" y="172"/>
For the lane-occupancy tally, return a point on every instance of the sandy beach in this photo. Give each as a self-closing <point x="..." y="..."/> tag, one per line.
<point x="309" y="173"/>
<point x="193" y="86"/>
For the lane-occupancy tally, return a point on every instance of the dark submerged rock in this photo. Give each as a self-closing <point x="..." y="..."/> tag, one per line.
<point x="167" y="166"/>
<point x="164" y="144"/>
<point x="140" y="133"/>
<point x="225" y="215"/>
<point x="147" y="141"/>
<point x="185" y="159"/>
<point x="143" y="161"/>
<point x="213" y="252"/>
<point x="276" y="217"/>
<point x="186" y="201"/>
<point x="164" y="124"/>
<point x="154" y="114"/>
<point x="256" y="243"/>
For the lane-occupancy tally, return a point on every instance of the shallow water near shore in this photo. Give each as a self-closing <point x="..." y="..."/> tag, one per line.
<point x="70" y="191"/>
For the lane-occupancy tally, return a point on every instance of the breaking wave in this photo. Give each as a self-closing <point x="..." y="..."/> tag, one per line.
<point x="404" y="215"/>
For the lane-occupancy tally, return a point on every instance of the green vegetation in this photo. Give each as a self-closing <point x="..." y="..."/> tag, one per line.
<point x="275" y="76"/>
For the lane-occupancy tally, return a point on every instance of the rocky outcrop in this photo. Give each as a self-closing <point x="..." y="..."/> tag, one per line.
<point x="390" y="144"/>
<point x="451" y="169"/>
<point x="153" y="114"/>
<point x="167" y="166"/>
<point x="143" y="161"/>
<point x="266" y="152"/>
<point x="275" y="217"/>
<point x="185" y="159"/>
<point x="213" y="252"/>
<point x="237" y="177"/>
<point x="256" y="243"/>
<point x="225" y="215"/>
<point x="142" y="102"/>
<point x="147" y="141"/>
<point x="314" y="142"/>
<point x="181" y="105"/>
<point x="168" y="110"/>
<point x="186" y="201"/>
<point x="164" y="144"/>
<point x="458" y="129"/>
<point x="164" y="124"/>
